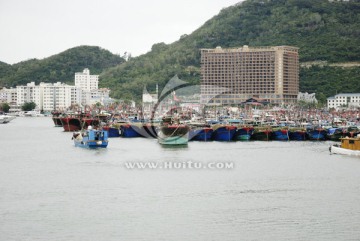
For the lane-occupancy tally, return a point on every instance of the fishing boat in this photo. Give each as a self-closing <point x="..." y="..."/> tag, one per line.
<point x="244" y="133"/>
<point x="317" y="134"/>
<point x="56" y="119"/>
<point x="297" y="134"/>
<point x="71" y="123"/>
<point x="113" y="131"/>
<point x="348" y="146"/>
<point x="335" y="133"/>
<point x="223" y="132"/>
<point x="280" y="134"/>
<point x="171" y="132"/>
<point x="130" y="130"/>
<point x="91" y="138"/>
<point x="200" y="132"/>
<point x="262" y="133"/>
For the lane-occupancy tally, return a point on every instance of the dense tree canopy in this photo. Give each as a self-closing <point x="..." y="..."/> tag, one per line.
<point x="28" y="106"/>
<point x="323" y="30"/>
<point x="60" y="67"/>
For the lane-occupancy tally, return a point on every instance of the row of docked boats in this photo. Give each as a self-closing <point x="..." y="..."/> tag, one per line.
<point x="225" y="132"/>
<point x="170" y="131"/>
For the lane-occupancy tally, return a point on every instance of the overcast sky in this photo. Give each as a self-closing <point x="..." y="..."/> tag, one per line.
<point x="41" y="28"/>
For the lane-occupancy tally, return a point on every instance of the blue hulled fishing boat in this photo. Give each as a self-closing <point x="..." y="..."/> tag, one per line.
<point x="130" y="130"/>
<point x="297" y="134"/>
<point x="113" y="131"/>
<point x="280" y="134"/>
<point x="317" y="134"/>
<point x="201" y="133"/>
<point x="91" y="138"/>
<point x="223" y="132"/>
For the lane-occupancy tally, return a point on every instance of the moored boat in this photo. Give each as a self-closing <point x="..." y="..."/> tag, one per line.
<point x="335" y="133"/>
<point x="71" y="123"/>
<point x="129" y="130"/>
<point x="223" y="132"/>
<point x="201" y="133"/>
<point x="173" y="133"/>
<point x="244" y="133"/>
<point x="262" y="133"/>
<point x="113" y="131"/>
<point x="317" y="134"/>
<point x="297" y="134"/>
<point x="91" y="138"/>
<point x="56" y="119"/>
<point x="348" y="146"/>
<point x="280" y="134"/>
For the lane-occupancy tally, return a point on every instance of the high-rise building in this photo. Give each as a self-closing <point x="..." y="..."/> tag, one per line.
<point x="29" y="93"/>
<point x="59" y="96"/>
<point x="49" y="96"/>
<point x="231" y="76"/>
<point x="86" y="81"/>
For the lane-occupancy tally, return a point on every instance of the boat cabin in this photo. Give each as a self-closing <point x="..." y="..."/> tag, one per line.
<point x="350" y="143"/>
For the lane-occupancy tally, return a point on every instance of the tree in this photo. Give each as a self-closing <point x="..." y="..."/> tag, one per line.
<point x="28" y="106"/>
<point x="5" y="107"/>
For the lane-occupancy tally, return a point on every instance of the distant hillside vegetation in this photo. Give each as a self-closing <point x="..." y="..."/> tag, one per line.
<point x="59" y="67"/>
<point x="323" y="30"/>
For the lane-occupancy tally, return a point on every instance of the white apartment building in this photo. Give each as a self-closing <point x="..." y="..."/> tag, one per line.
<point x="344" y="99"/>
<point x="86" y="81"/>
<point x="29" y="93"/>
<point x="8" y="96"/>
<point x="48" y="96"/>
<point x="59" y="96"/>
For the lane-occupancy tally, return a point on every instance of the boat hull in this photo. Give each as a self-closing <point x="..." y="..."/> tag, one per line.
<point x="297" y="135"/>
<point x="224" y="133"/>
<point x="263" y="135"/>
<point x="280" y="135"/>
<point x="57" y="122"/>
<point x="129" y="131"/>
<point x="339" y="150"/>
<point x="317" y="135"/>
<point x="202" y="134"/>
<point x="244" y="134"/>
<point x="173" y="135"/>
<point x="71" y="124"/>
<point x="113" y="131"/>
<point x="91" y="144"/>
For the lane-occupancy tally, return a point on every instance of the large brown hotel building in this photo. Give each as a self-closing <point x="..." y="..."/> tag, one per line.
<point x="231" y="76"/>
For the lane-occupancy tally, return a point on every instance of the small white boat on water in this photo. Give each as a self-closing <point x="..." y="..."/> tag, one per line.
<point x="349" y="146"/>
<point x="6" y="118"/>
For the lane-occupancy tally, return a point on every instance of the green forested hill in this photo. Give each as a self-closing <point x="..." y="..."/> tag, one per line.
<point x="60" y="67"/>
<point x="327" y="31"/>
<point x="323" y="30"/>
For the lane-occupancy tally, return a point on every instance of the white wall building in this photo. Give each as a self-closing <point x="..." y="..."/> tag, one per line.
<point x="8" y="96"/>
<point x="309" y="98"/>
<point x="86" y="81"/>
<point x="349" y="100"/>
<point x="49" y="96"/>
<point x="59" y="96"/>
<point x="29" y="93"/>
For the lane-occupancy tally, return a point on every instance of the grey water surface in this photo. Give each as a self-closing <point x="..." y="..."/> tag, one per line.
<point x="51" y="190"/>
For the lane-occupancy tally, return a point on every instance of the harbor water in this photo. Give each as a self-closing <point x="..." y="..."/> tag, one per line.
<point x="52" y="190"/>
